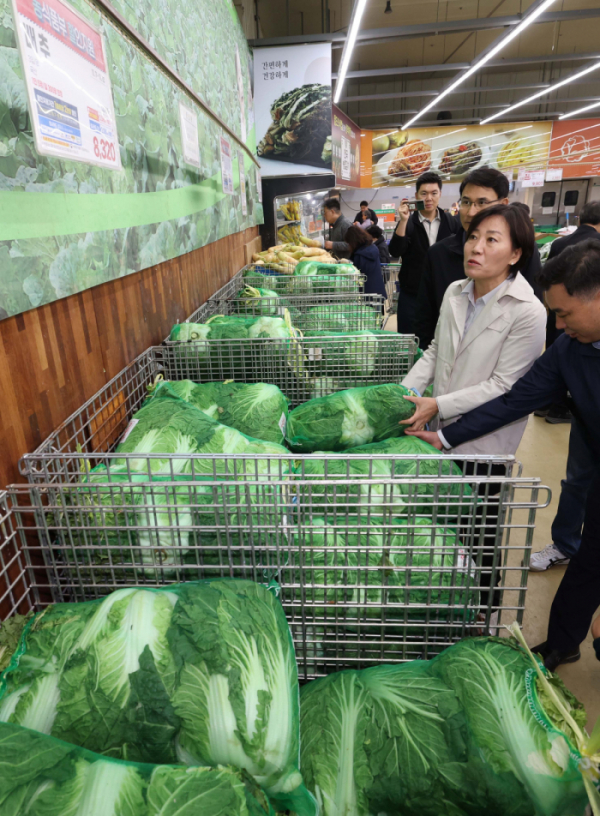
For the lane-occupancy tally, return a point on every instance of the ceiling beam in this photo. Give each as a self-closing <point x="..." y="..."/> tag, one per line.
<point x="458" y="66"/>
<point x="481" y="89"/>
<point x="375" y="35"/>
<point x="470" y="120"/>
<point x="473" y="107"/>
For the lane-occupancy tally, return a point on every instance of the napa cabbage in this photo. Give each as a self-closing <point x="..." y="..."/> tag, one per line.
<point x="349" y="418"/>
<point x="463" y="733"/>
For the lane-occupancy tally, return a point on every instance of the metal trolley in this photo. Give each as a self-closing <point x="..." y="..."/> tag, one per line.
<point x="379" y="558"/>
<point x="289" y="284"/>
<point x="391" y="274"/>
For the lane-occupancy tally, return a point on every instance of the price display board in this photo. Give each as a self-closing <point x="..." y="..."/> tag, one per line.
<point x="68" y="86"/>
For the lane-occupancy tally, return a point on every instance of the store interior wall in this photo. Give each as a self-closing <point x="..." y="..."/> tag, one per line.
<point x="56" y="357"/>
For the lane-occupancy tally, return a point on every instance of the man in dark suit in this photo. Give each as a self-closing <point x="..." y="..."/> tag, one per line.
<point x="589" y="227"/>
<point x="444" y="262"/>
<point x="413" y="236"/>
<point x="572" y="285"/>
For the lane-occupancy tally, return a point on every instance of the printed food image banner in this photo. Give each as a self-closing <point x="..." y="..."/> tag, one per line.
<point x="575" y="147"/>
<point x="346" y="149"/>
<point x="292" y="106"/>
<point x="399" y="157"/>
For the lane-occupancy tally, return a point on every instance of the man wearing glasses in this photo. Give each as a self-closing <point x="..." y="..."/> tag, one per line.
<point x="444" y="262"/>
<point x="411" y="240"/>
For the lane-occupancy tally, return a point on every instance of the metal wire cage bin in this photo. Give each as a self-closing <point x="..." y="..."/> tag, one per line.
<point x="286" y="283"/>
<point x="302" y="367"/>
<point x="398" y="576"/>
<point x="379" y="558"/>
<point x="324" y="312"/>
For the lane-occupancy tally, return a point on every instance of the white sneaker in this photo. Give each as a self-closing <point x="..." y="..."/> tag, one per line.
<point x="550" y="556"/>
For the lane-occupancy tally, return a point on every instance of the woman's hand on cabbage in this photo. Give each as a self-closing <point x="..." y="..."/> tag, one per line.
<point x="426" y="409"/>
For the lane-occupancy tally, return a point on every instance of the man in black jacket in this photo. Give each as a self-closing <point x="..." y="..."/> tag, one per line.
<point x="365" y="214"/>
<point x="444" y="262"/>
<point x="572" y="285"/>
<point x="378" y="237"/>
<point x="413" y="236"/>
<point x="589" y="227"/>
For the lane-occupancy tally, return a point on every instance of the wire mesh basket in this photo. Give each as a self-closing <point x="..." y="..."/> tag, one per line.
<point x="391" y="274"/>
<point x="287" y="283"/>
<point x="380" y="558"/>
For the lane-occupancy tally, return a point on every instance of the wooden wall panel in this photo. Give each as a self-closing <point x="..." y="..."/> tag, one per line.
<point x="54" y="358"/>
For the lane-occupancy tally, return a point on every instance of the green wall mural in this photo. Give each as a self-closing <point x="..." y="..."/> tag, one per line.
<point x="66" y="226"/>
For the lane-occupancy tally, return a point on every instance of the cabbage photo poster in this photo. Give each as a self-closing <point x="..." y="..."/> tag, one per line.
<point x="69" y="90"/>
<point x="292" y="109"/>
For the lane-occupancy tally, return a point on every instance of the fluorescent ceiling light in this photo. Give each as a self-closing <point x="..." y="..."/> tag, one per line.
<point x="552" y="88"/>
<point x="503" y="42"/>
<point x="580" y="110"/>
<point x="357" y="13"/>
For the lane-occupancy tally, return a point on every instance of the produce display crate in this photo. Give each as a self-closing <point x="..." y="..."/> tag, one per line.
<point x="358" y="311"/>
<point x="303" y="368"/>
<point x="362" y="580"/>
<point x="289" y="284"/>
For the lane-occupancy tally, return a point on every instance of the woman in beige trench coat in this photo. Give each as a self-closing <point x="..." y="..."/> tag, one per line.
<point x="490" y="331"/>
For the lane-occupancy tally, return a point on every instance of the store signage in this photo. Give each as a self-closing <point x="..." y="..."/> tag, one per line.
<point x="532" y="178"/>
<point x="68" y="85"/>
<point x="189" y="135"/>
<point x="241" y="97"/>
<point x="242" y="185"/>
<point x="226" y="167"/>
<point x="554" y="175"/>
<point x="345" y="139"/>
<point x="575" y="147"/>
<point x="292" y="109"/>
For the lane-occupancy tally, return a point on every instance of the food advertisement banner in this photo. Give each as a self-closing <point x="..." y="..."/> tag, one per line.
<point x="292" y="107"/>
<point x="346" y="149"/>
<point x="67" y="225"/>
<point x="575" y="147"/>
<point x="399" y="157"/>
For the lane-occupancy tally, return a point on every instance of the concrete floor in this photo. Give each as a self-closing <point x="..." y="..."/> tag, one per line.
<point x="543" y="453"/>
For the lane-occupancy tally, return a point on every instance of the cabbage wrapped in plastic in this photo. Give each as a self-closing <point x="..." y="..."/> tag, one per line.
<point x="349" y="418"/>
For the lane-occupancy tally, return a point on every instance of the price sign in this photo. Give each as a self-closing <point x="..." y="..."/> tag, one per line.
<point x="70" y="97"/>
<point x="226" y="167"/>
<point x="242" y="185"/>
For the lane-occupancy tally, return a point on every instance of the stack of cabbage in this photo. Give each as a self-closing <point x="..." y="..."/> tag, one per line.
<point x="467" y="733"/>
<point x="234" y="359"/>
<point x="349" y="315"/>
<point x="309" y="278"/>
<point x="159" y="526"/>
<point x="197" y="674"/>
<point x="49" y="777"/>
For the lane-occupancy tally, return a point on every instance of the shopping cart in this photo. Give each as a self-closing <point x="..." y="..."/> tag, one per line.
<point x="286" y="283"/>
<point x="363" y="580"/>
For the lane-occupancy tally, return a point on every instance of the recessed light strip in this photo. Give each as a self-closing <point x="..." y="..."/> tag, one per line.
<point x="580" y="110"/>
<point x="549" y="90"/>
<point x="529" y="18"/>
<point x="357" y="13"/>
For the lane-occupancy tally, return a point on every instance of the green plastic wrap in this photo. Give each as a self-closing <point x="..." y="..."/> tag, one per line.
<point x="44" y="776"/>
<point x="202" y="673"/>
<point x="230" y="327"/>
<point x="349" y="418"/>
<point x="258" y="410"/>
<point x="465" y="734"/>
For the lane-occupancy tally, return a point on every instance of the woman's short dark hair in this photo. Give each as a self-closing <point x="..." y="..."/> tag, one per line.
<point x="519" y="226"/>
<point x="332" y="204"/>
<point x="356" y="237"/>
<point x="375" y="232"/>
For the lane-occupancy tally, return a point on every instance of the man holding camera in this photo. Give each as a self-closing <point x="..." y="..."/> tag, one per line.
<point x="414" y="234"/>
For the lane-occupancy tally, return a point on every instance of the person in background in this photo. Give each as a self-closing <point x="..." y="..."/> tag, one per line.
<point x="378" y="237"/>
<point x="365" y="257"/>
<point x="412" y="238"/>
<point x="365" y="214"/>
<point x="490" y="332"/>
<point x="444" y="262"/>
<point x="572" y="363"/>
<point x="338" y="227"/>
<point x="581" y="463"/>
